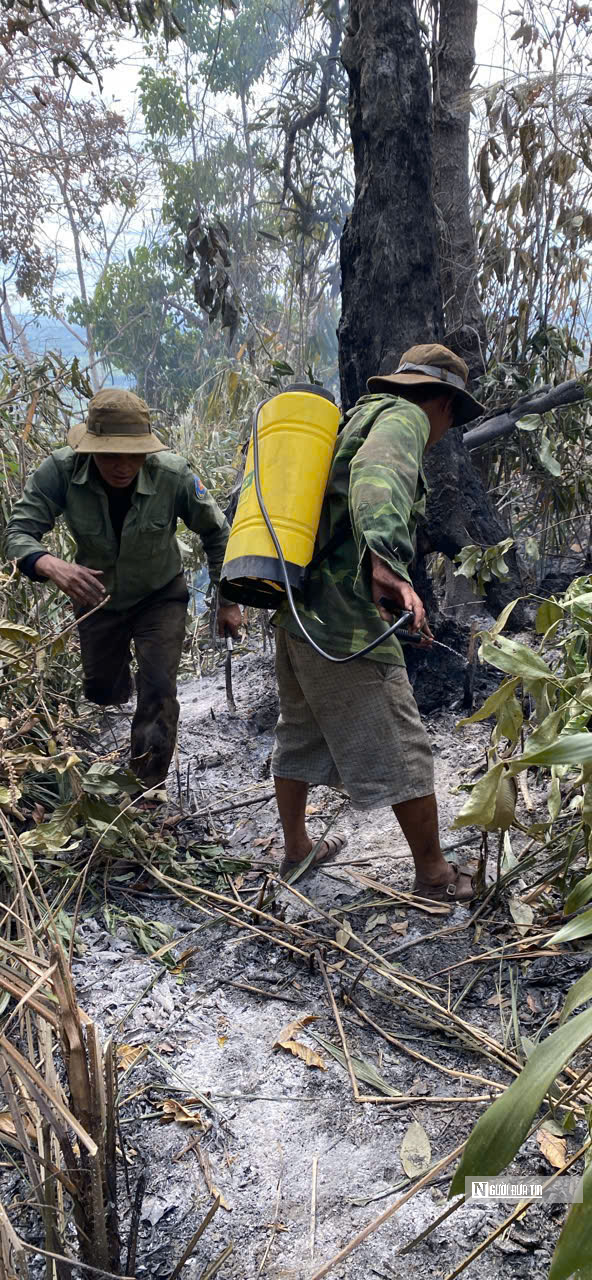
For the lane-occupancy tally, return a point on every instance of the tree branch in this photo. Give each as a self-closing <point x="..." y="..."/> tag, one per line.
<point x="541" y="402"/>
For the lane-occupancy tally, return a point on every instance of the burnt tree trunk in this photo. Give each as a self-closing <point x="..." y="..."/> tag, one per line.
<point x="391" y="294"/>
<point x="389" y="260"/>
<point x="454" y="60"/>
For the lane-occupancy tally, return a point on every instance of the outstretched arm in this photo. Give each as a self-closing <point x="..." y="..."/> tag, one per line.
<point x="32" y="517"/>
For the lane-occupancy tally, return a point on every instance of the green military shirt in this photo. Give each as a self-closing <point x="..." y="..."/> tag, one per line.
<point x="148" y="555"/>
<point x="377" y="479"/>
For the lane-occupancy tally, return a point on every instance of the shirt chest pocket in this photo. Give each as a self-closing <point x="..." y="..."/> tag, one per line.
<point x="151" y="532"/>
<point x="153" y="540"/>
<point x="84" y="519"/>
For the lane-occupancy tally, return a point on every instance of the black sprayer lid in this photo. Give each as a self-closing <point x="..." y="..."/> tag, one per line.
<point x="311" y="388"/>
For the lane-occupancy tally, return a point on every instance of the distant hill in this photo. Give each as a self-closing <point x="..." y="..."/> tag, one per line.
<point x="45" y="334"/>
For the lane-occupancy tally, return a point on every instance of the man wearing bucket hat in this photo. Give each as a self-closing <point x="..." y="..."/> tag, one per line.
<point x="357" y="726"/>
<point x="121" y="493"/>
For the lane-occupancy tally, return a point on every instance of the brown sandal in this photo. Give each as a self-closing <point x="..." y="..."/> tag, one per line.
<point x="454" y="891"/>
<point x="330" y="848"/>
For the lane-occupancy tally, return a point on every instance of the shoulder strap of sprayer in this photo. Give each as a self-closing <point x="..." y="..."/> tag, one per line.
<point x="343" y="526"/>
<point x="340" y="533"/>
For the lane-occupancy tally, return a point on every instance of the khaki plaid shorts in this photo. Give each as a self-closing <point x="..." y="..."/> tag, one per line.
<point x="354" y="727"/>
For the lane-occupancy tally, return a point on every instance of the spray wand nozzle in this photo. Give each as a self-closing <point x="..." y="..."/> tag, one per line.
<point x="415" y="637"/>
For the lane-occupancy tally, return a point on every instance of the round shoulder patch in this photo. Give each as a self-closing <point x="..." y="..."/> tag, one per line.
<point x="200" y="489"/>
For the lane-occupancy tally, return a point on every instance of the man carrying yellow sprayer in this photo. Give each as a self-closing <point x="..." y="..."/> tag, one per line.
<point x="357" y="726"/>
<point x="121" y="493"/>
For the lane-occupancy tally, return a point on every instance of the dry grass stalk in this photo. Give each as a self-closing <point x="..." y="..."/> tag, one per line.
<point x="342" y="1036"/>
<point x="194" y="1239"/>
<point x="387" y="1213"/>
<point x="420" y="1057"/>
<point x="67" y="1146"/>
<point x="213" y="1268"/>
<point x="13" y="1259"/>
<point x="512" y="1217"/>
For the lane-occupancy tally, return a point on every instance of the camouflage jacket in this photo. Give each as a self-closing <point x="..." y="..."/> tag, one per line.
<point x="377" y="478"/>
<point x="148" y="555"/>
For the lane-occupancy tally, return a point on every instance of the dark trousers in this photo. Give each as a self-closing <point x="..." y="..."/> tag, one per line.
<point x="157" y="627"/>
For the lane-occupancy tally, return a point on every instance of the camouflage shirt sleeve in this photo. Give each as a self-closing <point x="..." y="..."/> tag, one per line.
<point x="384" y="477"/>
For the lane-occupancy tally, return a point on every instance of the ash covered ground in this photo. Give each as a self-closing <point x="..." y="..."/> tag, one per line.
<point x="301" y="1166"/>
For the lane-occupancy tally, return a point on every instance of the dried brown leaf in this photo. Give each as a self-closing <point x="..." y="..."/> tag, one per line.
<point x="127" y="1054"/>
<point x="416" y="1152"/>
<point x="521" y="914"/>
<point x="286" y="1041"/>
<point x="553" y="1148"/>
<point x="176" y="1112"/>
<point x="8" y="1130"/>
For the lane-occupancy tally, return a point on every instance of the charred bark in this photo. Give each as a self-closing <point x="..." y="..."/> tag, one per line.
<point x="454" y="60"/>
<point x="391" y="296"/>
<point x="389" y="260"/>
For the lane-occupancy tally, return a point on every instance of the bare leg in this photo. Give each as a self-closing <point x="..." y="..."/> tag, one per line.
<point x="291" y="796"/>
<point x="418" y="820"/>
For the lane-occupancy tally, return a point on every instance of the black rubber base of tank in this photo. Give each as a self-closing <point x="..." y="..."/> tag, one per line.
<point x="249" y="580"/>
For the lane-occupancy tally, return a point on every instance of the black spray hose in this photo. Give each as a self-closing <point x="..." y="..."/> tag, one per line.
<point x="396" y="626"/>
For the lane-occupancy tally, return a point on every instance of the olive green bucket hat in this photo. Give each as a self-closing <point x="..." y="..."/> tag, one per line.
<point x="431" y="363"/>
<point x="117" y="422"/>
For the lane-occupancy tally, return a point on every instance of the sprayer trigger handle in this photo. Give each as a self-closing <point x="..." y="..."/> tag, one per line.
<point x="392" y="608"/>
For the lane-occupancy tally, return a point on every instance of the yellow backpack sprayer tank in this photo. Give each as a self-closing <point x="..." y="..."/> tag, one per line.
<point x="287" y="467"/>
<point x="272" y="540"/>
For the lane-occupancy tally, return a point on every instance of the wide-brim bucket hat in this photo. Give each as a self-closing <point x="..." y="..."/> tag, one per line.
<point x="118" y="421"/>
<point x="431" y="364"/>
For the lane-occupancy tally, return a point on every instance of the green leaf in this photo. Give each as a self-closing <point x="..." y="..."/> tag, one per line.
<point x="530" y="422"/>
<point x="547" y="458"/>
<point x="554" y="797"/>
<point x="492" y="703"/>
<point x="499" y="567"/>
<point x="480" y="805"/>
<point x="574" y="1246"/>
<point x="579" y="896"/>
<point x="468" y="567"/>
<point x="500" y="1132"/>
<point x="18" y="631"/>
<point x="548" y="730"/>
<point x="581" y="927"/>
<point x="514" y="658"/>
<point x="578" y="994"/>
<point x="547" y="613"/>
<point x="570" y="748"/>
<point x="509" y="721"/>
<point x="501" y="620"/>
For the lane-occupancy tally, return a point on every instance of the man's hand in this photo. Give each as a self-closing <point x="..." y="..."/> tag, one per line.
<point x="83" y="586"/>
<point x="229" y="615"/>
<point x="387" y="584"/>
